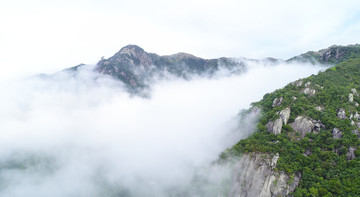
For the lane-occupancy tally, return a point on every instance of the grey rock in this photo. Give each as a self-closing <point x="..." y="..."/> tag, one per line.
<point x="350" y="154"/>
<point x="294" y="98"/>
<point x="269" y="126"/>
<point x="356" y="104"/>
<point x="277" y="126"/>
<point x="285" y="115"/>
<point x="277" y="101"/>
<point x="337" y="134"/>
<point x="354" y="92"/>
<point x="298" y="83"/>
<point x="307" y="84"/>
<point x="341" y="114"/>
<point x="319" y="108"/>
<point x="351" y="98"/>
<point x="254" y="175"/>
<point x="302" y="125"/>
<point x="309" y="91"/>
<point x="307" y="152"/>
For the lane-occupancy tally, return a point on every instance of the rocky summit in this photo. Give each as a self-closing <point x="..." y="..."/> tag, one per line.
<point x="136" y="67"/>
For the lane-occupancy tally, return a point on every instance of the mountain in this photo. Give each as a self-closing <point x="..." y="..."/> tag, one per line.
<point x="332" y="55"/>
<point x="307" y="142"/>
<point x="136" y="68"/>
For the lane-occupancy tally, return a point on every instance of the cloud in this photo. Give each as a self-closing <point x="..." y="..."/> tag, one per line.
<point x="83" y="135"/>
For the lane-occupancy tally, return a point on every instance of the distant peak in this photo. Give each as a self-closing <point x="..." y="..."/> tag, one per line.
<point x="131" y="50"/>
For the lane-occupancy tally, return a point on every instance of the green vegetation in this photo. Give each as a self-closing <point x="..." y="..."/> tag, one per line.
<point x="326" y="171"/>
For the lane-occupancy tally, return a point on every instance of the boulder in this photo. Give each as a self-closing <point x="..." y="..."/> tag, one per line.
<point x="354" y="92"/>
<point x="302" y="125"/>
<point x="309" y="91"/>
<point x="351" y="98"/>
<point x="307" y="84"/>
<point x="337" y="134"/>
<point x="341" y="114"/>
<point x="307" y="153"/>
<point x="285" y="115"/>
<point x="277" y="101"/>
<point x="350" y="154"/>
<point x="298" y="83"/>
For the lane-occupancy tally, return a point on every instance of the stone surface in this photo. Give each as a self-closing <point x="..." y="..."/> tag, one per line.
<point x="341" y="114"/>
<point x="302" y="125"/>
<point x="350" y="154"/>
<point x="285" y="115"/>
<point x="309" y="91"/>
<point x="337" y="134"/>
<point x="351" y="98"/>
<point x="254" y="175"/>
<point x="354" y="92"/>
<point x="277" y="101"/>
<point x="298" y="83"/>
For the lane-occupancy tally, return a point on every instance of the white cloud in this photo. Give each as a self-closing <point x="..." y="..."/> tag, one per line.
<point x="85" y="136"/>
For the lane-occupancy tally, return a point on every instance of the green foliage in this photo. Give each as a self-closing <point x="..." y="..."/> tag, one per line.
<point x="326" y="172"/>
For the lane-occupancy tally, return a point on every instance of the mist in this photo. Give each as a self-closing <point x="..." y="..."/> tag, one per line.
<point x="84" y="135"/>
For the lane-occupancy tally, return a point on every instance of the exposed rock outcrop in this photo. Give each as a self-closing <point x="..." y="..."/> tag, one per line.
<point x="350" y="154"/>
<point x="337" y="134"/>
<point x="274" y="127"/>
<point x="302" y="125"/>
<point x="351" y="98"/>
<point x="309" y="91"/>
<point x="354" y="92"/>
<point x="277" y="101"/>
<point x="255" y="176"/>
<point x="341" y="114"/>
<point x="285" y="115"/>
<point x="298" y="83"/>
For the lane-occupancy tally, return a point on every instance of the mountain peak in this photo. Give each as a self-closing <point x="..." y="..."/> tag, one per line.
<point x="131" y="50"/>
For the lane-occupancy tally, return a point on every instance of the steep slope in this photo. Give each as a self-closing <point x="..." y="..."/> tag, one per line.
<point x="332" y="55"/>
<point x="313" y="125"/>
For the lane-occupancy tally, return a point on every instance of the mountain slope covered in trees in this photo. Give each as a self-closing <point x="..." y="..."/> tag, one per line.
<point x="313" y="124"/>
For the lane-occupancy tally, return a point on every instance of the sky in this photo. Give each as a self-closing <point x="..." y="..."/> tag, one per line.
<point x="44" y="36"/>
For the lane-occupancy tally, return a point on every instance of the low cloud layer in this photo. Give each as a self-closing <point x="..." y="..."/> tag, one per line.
<point x="84" y="135"/>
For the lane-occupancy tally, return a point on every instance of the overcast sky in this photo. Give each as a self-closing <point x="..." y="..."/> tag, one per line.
<point x="46" y="36"/>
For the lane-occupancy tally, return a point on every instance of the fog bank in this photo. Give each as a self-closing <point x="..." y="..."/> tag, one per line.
<point x="84" y="135"/>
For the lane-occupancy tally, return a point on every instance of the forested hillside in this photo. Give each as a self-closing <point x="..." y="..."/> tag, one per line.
<point x="313" y="124"/>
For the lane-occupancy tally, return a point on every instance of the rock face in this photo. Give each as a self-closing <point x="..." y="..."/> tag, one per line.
<point x="309" y="91"/>
<point x="350" y="154"/>
<point x="354" y="92"/>
<point x="351" y="98"/>
<point x="274" y="127"/>
<point x="285" y="115"/>
<point x="337" y="134"/>
<point x="341" y="114"/>
<point x="255" y="176"/>
<point x="302" y="125"/>
<point x="277" y="101"/>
